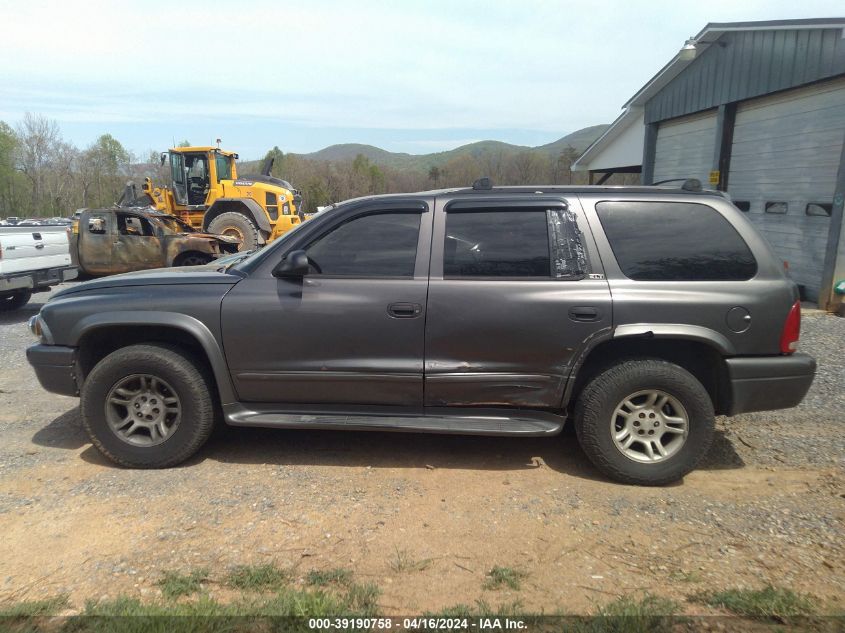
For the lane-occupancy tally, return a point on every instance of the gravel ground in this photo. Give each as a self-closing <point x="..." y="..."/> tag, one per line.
<point x="767" y="505"/>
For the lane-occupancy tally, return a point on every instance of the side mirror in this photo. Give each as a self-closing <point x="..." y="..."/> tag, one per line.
<point x="294" y="265"/>
<point x="163" y="157"/>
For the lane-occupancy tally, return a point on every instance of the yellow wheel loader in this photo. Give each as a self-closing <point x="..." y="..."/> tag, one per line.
<point x="206" y="192"/>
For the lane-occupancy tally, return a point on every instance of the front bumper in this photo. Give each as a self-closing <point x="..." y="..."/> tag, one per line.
<point x="55" y="367"/>
<point x="763" y="383"/>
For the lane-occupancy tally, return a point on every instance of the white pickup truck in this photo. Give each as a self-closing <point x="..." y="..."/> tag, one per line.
<point x="32" y="259"/>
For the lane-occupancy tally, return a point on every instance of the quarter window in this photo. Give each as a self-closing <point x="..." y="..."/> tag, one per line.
<point x="778" y="208"/>
<point x="378" y="245"/>
<point x="675" y="241"/>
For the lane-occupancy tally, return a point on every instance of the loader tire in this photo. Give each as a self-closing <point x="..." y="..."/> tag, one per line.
<point x="237" y="225"/>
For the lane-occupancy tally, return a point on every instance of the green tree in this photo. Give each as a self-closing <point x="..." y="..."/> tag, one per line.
<point x="563" y="171"/>
<point x="434" y="174"/>
<point x="278" y="157"/>
<point x="100" y="170"/>
<point x="8" y="147"/>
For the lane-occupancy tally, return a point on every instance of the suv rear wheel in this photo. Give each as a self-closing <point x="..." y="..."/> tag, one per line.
<point x="147" y="406"/>
<point x="644" y="421"/>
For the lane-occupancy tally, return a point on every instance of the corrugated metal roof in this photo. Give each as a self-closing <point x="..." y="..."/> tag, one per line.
<point x="710" y="34"/>
<point x="742" y="64"/>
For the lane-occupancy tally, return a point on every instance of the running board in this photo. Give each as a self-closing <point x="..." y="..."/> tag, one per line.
<point x="462" y="421"/>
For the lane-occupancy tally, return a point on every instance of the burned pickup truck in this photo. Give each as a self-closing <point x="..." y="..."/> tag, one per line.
<point x="119" y="240"/>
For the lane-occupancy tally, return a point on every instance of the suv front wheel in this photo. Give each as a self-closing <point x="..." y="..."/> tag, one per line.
<point x="147" y="406"/>
<point x="645" y="421"/>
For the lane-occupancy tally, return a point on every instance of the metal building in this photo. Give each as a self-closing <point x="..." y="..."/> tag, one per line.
<point x="756" y="109"/>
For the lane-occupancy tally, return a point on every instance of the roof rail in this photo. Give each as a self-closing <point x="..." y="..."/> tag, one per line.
<point x="690" y="184"/>
<point x="482" y="184"/>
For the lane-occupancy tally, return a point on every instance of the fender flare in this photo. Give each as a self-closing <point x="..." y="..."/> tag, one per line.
<point x="695" y="333"/>
<point x="246" y="206"/>
<point x="193" y="327"/>
<point x="646" y="331"/>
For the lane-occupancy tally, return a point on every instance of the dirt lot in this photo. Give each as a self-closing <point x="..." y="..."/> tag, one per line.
<point x="425" y="517"/>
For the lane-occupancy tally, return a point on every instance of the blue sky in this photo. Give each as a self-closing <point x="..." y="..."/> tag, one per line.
<point x="407" y="76"/>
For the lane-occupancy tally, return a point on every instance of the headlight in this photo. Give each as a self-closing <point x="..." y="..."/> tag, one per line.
<point x="35" y="326"/>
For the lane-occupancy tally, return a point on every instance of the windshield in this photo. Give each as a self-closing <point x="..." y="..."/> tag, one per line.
<point x="174" y="224"/>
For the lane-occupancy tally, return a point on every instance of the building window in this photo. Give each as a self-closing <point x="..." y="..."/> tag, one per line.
<point x="743" y="205"/>
<point x="778" y="208"/>
<point x="819" y="209"/>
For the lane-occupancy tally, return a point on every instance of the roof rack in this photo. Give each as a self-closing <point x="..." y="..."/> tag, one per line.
<point x="690" y="184"/>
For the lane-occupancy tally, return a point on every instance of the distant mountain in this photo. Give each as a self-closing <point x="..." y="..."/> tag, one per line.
<point x="580" y="140"/>
<point x="348" y="151"/>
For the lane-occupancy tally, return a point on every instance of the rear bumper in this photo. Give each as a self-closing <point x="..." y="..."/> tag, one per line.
<point x="35" y="279"/>
<point x="55" y="368"/>
<point x="763" y="383"/>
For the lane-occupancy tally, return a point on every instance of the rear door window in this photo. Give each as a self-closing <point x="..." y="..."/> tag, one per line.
<point x="541" y="243"/>
<point x="675" y="241"/>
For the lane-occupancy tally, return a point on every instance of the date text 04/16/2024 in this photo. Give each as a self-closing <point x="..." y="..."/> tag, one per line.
<point x="420" y="623"/>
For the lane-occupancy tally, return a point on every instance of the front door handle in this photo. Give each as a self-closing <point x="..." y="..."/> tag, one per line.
<point x="404" y="310"/>
<point x="584" y="313"/>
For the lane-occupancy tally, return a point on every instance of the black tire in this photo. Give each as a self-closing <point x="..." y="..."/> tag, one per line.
<point x="192" y="259"/>
<point x="237" y="225"/>
<point x="594" y="415"/>
<point x="15" y="301"/>
<point x="190" y="382"/>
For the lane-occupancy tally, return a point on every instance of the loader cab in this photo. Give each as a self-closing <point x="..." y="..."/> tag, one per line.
<point x="191" y="177"/>
<point x="196" y="172"/>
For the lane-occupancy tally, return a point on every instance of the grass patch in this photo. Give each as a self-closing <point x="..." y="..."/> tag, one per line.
<point x="628" y="614"/>
<point x="499" y="577"/>
<point x="768" y="602"/>
<point x="403" y="561"/>
<point x="207" y="615"/>
<point x="258" y="577"/>
<point x="34" y="608"/>
<point x="175" y="584"/>
<point x="363" y="598"/>
<point x="323" y="577"/>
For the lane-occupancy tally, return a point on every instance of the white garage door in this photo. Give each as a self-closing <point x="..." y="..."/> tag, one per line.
<point x="685" y="147"/>
<point x="785" y="156"/>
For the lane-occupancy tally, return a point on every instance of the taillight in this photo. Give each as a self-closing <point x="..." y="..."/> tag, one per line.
<point x="791" y="330"/>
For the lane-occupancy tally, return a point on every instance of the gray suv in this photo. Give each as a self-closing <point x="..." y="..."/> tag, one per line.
<point x="638" y="313"/>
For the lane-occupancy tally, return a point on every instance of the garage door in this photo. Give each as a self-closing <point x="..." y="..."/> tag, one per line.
<point x="685" y="147"/>
<point x="785" y="156"/>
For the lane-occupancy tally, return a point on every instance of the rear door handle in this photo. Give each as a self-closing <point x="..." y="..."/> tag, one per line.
<point x="584" y="313"/>
<point x="404" y="310"/>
